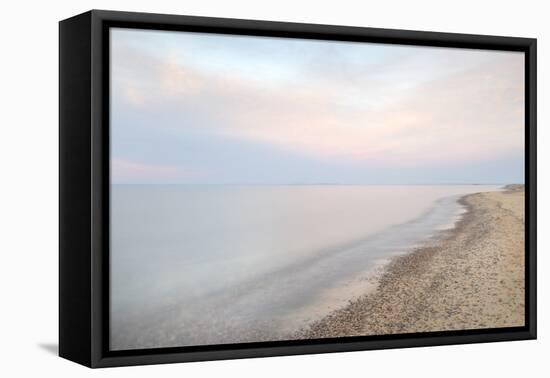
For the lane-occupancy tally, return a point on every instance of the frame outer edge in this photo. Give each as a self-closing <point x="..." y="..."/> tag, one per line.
<point x="74" y="190"/>
<point x="532" y="51"/>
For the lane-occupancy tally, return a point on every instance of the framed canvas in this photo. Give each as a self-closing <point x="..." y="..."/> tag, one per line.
<point x="234" y="188"/>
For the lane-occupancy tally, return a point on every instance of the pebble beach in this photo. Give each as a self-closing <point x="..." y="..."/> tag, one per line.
<point x="468" y="277"/>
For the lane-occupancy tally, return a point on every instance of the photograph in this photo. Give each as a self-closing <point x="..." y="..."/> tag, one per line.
<point x="275" y="189"/>
<point x="244" y="189"/>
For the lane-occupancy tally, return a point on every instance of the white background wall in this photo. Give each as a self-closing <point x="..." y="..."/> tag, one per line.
<point x="29" y="174"/>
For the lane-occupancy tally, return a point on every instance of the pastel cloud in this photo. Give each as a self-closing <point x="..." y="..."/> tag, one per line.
<point x="126" y="171"/>
<point x="415" y="107"/>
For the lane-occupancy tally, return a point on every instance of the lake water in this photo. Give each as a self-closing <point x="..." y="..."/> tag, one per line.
<point x="196" y="265"/>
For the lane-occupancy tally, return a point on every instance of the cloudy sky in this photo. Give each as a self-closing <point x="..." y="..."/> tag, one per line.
<point x="215" y="109"/>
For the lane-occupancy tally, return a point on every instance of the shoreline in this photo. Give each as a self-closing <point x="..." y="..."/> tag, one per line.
<point x="468" y="277"/>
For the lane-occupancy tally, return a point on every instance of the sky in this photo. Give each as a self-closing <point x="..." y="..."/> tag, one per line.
<point x="194" y="108"/>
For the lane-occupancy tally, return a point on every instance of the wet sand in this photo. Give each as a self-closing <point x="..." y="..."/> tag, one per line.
<point x="469" y="277"/>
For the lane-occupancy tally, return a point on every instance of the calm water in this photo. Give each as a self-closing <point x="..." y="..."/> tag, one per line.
<point x="194" y="265"/>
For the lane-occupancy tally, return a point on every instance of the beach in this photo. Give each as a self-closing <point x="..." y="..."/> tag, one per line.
<point x="326" y="261"/>
<point x="467" y="277"/>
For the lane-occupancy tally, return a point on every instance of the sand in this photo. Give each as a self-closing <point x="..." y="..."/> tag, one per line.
<point x="469" y="277"/>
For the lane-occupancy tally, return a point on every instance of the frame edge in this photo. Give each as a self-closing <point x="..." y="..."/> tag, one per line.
<point x="74" y="189"/>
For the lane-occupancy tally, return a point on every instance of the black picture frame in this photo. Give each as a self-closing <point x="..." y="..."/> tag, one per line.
<point x="84" y="187"/>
